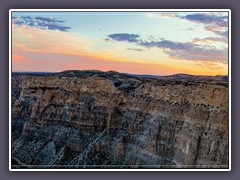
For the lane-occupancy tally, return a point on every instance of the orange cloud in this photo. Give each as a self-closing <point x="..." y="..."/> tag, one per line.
<point x="214" y="28"/>
<point x="157" y="15"/>
<point x="30" y="40"/>
<point x="61" y="62"/>
<point x="168" y="15"/>
<point x="211" y="40"/>
<point x="43" y="41"/>
<point x="16" y="58"/>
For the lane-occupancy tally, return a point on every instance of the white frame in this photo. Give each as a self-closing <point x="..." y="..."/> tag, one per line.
<point x="118" y="10"/>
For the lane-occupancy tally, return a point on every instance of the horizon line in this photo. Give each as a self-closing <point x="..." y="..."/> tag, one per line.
<point x="114" y="71"/>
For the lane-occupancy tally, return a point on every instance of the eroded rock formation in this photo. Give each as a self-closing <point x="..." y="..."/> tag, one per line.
<point x="94" y="119"/>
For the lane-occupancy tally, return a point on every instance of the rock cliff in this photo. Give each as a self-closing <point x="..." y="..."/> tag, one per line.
<point x="94" y="119"/>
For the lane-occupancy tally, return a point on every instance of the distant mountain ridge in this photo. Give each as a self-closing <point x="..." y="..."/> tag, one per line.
<point x="68" y="73"/>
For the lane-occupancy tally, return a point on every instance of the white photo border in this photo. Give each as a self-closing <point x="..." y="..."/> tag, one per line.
<point x="120" y="10"/>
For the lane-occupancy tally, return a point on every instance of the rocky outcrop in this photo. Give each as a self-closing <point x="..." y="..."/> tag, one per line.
<point x="94" y="119"/>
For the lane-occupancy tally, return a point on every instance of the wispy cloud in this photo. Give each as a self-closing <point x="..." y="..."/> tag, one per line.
<point x="188" y="29"/>
<point x="135" y="49"/>
<point x="124" y="37"/>
<point x="210" y="65"/>
<point x="199" y="53"/>
<point x="168" y="15"/>
<point x="47" y="23"/>
<point x="214" y="23"/>
<point x="177" y="50"/>
<point x="210" y="40"/>
<point x="204" y="18"/>
<point x="189" y="51"/>
<point x="161" y="15"/>
<point x="217" y="30"/>
<point x="217" y="24"/>
<point x="166" y="44"/>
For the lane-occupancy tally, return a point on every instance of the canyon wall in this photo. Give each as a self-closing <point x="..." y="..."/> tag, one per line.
<point x="93" y="119"/>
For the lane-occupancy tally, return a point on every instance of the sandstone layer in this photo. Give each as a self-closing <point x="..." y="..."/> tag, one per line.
<point x="94" y="119"/>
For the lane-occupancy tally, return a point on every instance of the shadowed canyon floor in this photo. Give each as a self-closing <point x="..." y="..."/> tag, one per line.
<point x="94" y="119"/>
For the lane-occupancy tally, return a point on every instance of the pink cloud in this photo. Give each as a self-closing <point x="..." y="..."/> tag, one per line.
<point x="60" y="62"/>
<point x="31" y="40"/>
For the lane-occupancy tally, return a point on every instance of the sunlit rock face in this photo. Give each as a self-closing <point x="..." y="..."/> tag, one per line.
<point x="94" y="119"/>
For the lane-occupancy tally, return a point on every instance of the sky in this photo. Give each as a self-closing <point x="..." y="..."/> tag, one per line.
<point x="158" y="43"/>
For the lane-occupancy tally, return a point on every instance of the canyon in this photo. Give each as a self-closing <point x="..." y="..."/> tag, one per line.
<point x="95" y="119"/>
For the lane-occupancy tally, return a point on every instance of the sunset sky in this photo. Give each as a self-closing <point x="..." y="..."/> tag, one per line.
<point x="159" y="43"/>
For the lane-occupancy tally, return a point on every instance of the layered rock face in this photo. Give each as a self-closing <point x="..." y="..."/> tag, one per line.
<point x="93" y="119"/>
